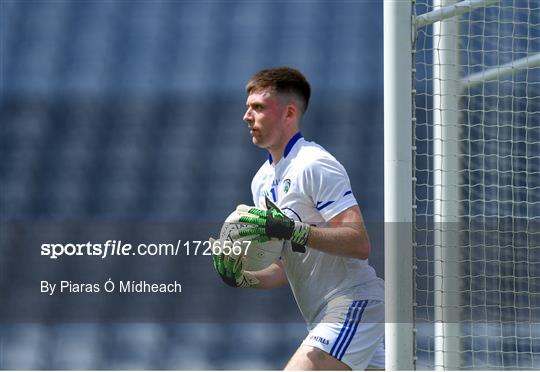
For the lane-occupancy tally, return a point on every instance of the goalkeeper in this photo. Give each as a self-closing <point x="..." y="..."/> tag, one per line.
<point x="304" y="197"/>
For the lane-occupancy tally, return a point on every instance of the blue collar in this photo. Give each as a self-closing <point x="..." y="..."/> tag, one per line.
<point x="289" y="146"/>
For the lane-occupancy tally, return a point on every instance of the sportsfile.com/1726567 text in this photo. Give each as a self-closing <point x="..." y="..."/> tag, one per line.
<point x="112" y="248"/>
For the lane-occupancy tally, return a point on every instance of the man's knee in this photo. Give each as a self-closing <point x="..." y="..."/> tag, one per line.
<point x="311" y="358"/>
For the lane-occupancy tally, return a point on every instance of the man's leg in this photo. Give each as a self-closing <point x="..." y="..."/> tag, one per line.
<point x="309" y="358"/>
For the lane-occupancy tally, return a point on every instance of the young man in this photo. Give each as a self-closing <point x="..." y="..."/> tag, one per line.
<point x="305" y="198"/>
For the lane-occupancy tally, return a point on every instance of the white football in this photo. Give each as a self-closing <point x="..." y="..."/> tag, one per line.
<point x="259" y="255"/>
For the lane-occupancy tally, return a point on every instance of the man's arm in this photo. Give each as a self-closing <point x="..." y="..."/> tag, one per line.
<point x="272" y="277"/>
<point x="344" y="235"/>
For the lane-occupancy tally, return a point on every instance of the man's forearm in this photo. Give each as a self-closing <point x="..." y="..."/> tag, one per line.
<point x="340" y="241"/>
<point x="272" y="277"/>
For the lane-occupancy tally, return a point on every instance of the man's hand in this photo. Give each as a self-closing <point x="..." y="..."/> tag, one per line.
<point x="231" y="269"/>
<point x="271" y="223"/>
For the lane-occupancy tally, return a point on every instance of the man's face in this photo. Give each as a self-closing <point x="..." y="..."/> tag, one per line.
<point x="265" y="117"/>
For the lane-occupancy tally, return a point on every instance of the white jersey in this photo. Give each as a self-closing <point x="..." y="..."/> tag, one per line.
<point x="311" y="186"/>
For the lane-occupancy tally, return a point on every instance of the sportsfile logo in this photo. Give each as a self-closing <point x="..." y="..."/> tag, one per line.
<point x="320" y="339"/>
<point x="119" y="248"/>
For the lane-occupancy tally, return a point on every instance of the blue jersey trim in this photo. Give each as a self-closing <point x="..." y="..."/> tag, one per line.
<point x="324" y="205"/>
<point x="291" y="143"/>
<point x="289" y="146"/>
<point x="347" y="193"/>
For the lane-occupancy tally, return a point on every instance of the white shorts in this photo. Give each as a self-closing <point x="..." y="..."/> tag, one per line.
<point x="352" y="332"/>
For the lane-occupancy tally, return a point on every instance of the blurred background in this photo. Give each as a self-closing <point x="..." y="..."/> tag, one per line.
<point x="115" y="111"/>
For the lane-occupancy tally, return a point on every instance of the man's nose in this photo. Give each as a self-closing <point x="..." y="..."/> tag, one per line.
<point x="248" y="117"/>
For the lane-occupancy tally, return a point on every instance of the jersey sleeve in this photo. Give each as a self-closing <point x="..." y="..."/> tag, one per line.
<point x="328" y="185"/>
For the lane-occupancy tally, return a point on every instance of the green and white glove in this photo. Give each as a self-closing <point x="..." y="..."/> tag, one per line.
<point x="271" y="223"/>
<point x="231" y="269"/>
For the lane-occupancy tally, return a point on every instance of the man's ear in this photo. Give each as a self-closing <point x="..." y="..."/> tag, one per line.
<point x="292" y="111"/>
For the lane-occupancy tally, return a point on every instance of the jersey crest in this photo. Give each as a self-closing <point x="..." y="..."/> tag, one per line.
<point x="286" y="185"/>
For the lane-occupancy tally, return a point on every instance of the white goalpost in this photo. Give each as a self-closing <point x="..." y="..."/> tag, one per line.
<point x="446" y="255"/>
<point x="462" y="130"/>
<point x="398" y="195"/>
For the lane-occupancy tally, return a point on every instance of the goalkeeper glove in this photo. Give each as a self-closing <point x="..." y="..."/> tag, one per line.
<point x="231" y="269"/>
<point x="272" y="223"/>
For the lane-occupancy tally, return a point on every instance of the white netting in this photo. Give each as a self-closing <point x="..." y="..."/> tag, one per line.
<point x="496" y="268"/>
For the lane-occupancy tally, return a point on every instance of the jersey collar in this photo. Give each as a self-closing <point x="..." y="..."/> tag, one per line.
<point x="289" y="146"/>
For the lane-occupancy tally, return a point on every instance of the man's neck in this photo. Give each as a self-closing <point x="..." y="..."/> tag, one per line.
<point x="278" y="153"/>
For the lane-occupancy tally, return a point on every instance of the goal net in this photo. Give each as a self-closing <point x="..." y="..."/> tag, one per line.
<point x="476" y="188"/>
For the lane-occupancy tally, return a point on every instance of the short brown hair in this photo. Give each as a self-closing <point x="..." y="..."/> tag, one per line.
<point x="283" y="80"/>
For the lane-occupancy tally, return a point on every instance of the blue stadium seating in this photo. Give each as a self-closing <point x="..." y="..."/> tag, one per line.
<point x="132" y="111"/>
